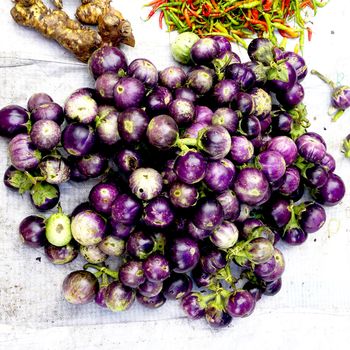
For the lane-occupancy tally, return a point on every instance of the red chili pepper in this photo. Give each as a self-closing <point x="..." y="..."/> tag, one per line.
<point x="267" y="4"/>
<point x="309" y="33"/>
<point x="187" y="18"/>
<point x="290" y="33"/>
<point x="194" y="13"/>
<point x="215" y="5"/>
<point x="206" y="10"/>
<point x="255" y="13"/>
<point x="257" y="21"/>
<point x="161" y="16"/>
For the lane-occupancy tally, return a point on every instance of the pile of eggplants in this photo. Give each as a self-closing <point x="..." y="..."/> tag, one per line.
<point x="203" y="171"/>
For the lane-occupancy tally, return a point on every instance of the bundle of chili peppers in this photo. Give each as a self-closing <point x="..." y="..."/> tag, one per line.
<point x="237" y="19"/>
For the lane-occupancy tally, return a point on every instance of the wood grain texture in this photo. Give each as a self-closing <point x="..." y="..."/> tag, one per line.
<point x="311" y="312"/>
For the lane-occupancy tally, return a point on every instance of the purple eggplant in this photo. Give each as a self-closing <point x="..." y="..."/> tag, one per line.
<point x="150" y="289"/>
<point x="261" y="50"/>
<point x="280" y="212"/>
<point x="162" y="132"/>
<point x="132" y="274"/>
<point x="240" y="304"/>
<point x="295" y="236"/>
<point x="107" y="59"/>
<point x="132" y="124"/>
<point x="312" y="218"/>
<point x="61" y="255"/>
<point x="156" y="268"/>
<point x="219" y="175"/>
<point x="208" y="214"/>
<point x="151" y="302"/>
<point x="200" y="80"/>
<point x="158" y="213"/>
<point x="172" y="77"/>
<point x="112" y="246"/>
<point x="204" y="51"/>
<point x="242" y="75"/>
<point x="316" y="176"/>
<point x="158" y="100"/>
<point x="282" y="77"/>
<point x="107" y="128"/>
<point x="186" y="93"/>
<point x="128" y="93"/>
<point x="13" y="120"/>
<point x="92" y="165"/>
<point x="17" y="180"/>
<point x="93" y="254"/>
<point x="183" y="195"/>
<point x="32" y="231"/>
<point x="128" y="160"/>
<point x="332" y="192"/>
<point x="88" y="227"/>
<point x="203" y="114"/>
<point x="54" y="169"/>
<point x="48" y="111"/>
<point x="126" y="209"/>
<point x="78" y="139"/>
<point x="119" y="297"/>
<point x="225" y="235"/>
<point x="227" y="118"/>
<point x="225" y="91"/>
<point x="140" y="245"/>
<point x="145" y="183"/>
<point x="297" y="62"/>
<point x="177" y="286"/>
<point x="37" y="100"/>
<point x="45" y="134"/>
<point x="44" y="196"/>
<point x="119" y="230"/>
<point x="105" y="84"/>
<point x="80" y="287"/>
<point x="102" y="196"/>
<point x="145" y="71"/>
<point x="23" y="153"/>
<point x="230" y="204"/>
<point x="193" y="306"/>
<point x="292" y="97"/>
<point x="194" y="129"/>
<point x="285" y="146"/>
<point x="184" y="254"/>
<point x="310" y="148"/>
<point x="182" y="111"/>
<point x="242" y="150"/>
<point x="290" y="182"/>
<point x="197" y="233"/>
<point x="251" y="186"/>
<point x="250" y="127"/>
<point x="190" y="168"/>
<point x="272" y="164"/>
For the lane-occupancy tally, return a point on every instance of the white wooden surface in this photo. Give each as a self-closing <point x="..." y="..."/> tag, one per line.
<point x="311" y="312"/>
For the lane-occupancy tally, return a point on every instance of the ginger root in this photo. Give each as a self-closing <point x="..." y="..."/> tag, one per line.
<point x="81" y="41"/>
<point x="90" y="10"/>
<point x="56" y="25"/>
<point x="58" y="3"/>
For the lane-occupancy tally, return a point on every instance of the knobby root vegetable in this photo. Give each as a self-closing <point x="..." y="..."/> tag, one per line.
<point x="58" y="3"/>
<point x="90" y="10"/>
<point x="81" y="41"/>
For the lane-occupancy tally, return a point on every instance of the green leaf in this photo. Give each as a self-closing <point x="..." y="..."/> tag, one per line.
<point x="279" y="72"/>
<point x="20" y="181"/>
<point x="43" y="191"/>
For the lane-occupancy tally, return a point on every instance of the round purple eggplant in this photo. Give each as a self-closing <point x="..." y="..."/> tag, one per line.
<point x="102" y="196"/>
<point x="204" y="51"/>
<point x="182" y="111"/>
<point x="194" y="130"/>
<point x="294" y="236"/>
<point x="197" y="233"/>
<point x="13" y="120"/>
<point x="280" y="212"/>
<point x="131" y="274"/>
<point x="273" y="287"/>
<point x="285" y="146"/>
<point x="128" y="93"/>
<point x="332" y="192"/>
<point x="242" y="150"/>
<point x="54" y="169"/>
<point x="203" y="114"/>
<point x="78" y="139"/>
<point x="230" y="204"/>
<point x="215" y="142"/>
<point x="193" y="306"/>
<point x="162" y="132"/>
<point x="251" y="186"/>
<point x="93" y="254"/>
<point x="144" y="70"/>
<point x="282" y="123"/>
<point x="223" y="43"/>
<point x="250" y="127"/>
<point x="37" y="100"/>
<point x="81" y="107"/>
<point x="216" y="317"/>
<point x="242" y="75"/>
<point x="80" y="287"/>
<point x="92" y="165"/>
<point x="260" y="72"/>
<point x="45" y="134"/>
<point x="184" y="254"/>
<point x="183" y="195"/>
<point x="200" y="277"/>
<point x="132" y="124"/>
<point x="227" y="118"/>
<point x="128" y="160"/>
<point x="119" y="230"/>
<point x="105" y="84"/>
<point x="200" y="80"/>
<point x="292" y="97"/>
<point x="225" y="91"/>
<point x="80" y="207"/>
<point x="291" y="181"/>
<point x="208" y="214"/>
<point x="23" y="153"/>
<point x="312" y="218"/>
<point x="48" y="111"/>
<point x="140" y="245"/>
<point x="186" y="93"/>
<point x="328" y="162"/>
<point x="107" y="59"/>
<point x="282" y="77"/>
<point x="158" y="213"/>
<point x="101" y="296"/>
<point x="213" y="261"/>
<point x="240" y="304"/>
<point x="150" y="289"/>
<point x="107" y="128"/>
<point x="297" y="62"/>
<point x="126" y="209"/>
<point x="158" y="100"/>
<point x="172" y="77"/>
<point x="261" y="50"/>
<point x="119" y="297"/>
<point x="177" y="286"/>
<point x="316" y="176"/>
<point x="145" y="183"/>
<point x="225" y="235"/>
<point x="245" y="103"/>
<point x="156" y="268"/>
<point x="154" y="302"/>
<point x="219" y="175"/>
<point x="190" y="168"/>
<point x="272" y="164"/>
<point x="88" y="227"/>
<point x="44" y="196"/>
<point x="112" y="246"/>
<point x="310" y="148"/>
<point x="32" y="231"/>
<point x="61" y="255"/>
